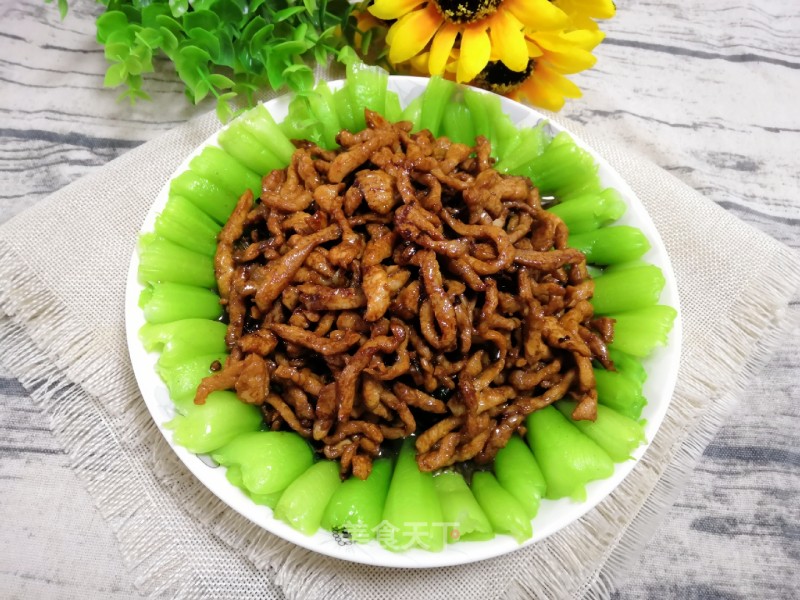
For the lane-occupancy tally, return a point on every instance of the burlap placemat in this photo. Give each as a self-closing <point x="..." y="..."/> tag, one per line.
<point x="62" y="276"/>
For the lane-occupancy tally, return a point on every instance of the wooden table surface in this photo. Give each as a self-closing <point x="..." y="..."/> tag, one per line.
<point x="707" y="90"/>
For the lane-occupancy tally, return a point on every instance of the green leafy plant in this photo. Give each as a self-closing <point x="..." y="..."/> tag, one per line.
<point x="226" y="48"/>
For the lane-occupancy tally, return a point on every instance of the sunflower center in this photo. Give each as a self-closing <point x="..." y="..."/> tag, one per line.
<point x="463" y="12"/>
<point x="498" y="78"/>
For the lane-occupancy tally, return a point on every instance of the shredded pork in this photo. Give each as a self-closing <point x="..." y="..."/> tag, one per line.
<point x="402" y="286"/>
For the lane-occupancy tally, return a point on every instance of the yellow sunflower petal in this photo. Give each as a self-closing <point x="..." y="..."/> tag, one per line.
<point x="537" y="14"/>
<point x="583" y="22"/>
<point x="508" y="41"/>
<point x="412" y="33"/>
<point x="534" y="51"/>
<point x="575" y="61"/>
<point x="586" y="39"/>
<point x="596" y="9"/>
<point x="441" y="47"/>
<point x="551" y="40"/>
<point x="393" y="9"/>
<point x="475" y="52"/>
<point x="541" y="94"/>
<point x="419" y="64"/>
<point x="555" y="80"/>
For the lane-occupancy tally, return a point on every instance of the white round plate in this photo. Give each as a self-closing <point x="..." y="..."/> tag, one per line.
<point x="662" y="368"/>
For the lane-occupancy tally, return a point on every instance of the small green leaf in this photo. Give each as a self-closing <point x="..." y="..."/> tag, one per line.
<point x="150" y="37"/>
<point x="195" y="55"/>
<point x="275" y="67"/>
<point x="260" y="39"/>
<point x="287" y="13"/>
<point x="151" y="12"/>
<point x="178" y="7"/>
<point x="145" y="56"/>
<point x="116" y="52"/>
<point x="125" y="35"/>
<point x="63" y="7"/>
<point x="229" y="12"/>
<point x="207" y="41"/>
<point x="201" y="90"/>
<point x="224" y="111"/>
<point x="110" y="22"/>
<point x="201" y="19"/>
<point x="220" y="81"/>
<point x="169" y="43"/>
<point x="320" y="55"/>
<point x="134" y="65"/>
<point x="142" y="95"/>
<point x="290" y="47"/>
<point x="299" y="78"/>
<point x="366" y="41"/>
<point x="170" y="24"/>
<point x="300" y="32"/>
<point x="115" y="75"/>
<point x="251" y="28"/>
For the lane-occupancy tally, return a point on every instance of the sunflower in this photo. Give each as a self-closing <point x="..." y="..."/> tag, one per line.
<point x="480" y="29"/>
<point x="541" y="82"/>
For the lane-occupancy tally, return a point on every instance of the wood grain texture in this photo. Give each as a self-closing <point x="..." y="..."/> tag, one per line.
<point x="707" y="90"/>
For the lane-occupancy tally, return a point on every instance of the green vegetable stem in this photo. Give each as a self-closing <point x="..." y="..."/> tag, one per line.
<point x="435" y="100"/>
<point x="638" y="332"/>
<point x="628" y="289"/>
<point x="621" y="389"/>
<point x="182" y="223"/>
<point x="357" y="505"/>
<point x="269" y="460"/>
<point x="588" y="211"/>
<point x="323" y="108"/>
<point x="465" y="519"/>
<point x="568" y="459"/>
<point x="564" y="168"/>
<point x="366" y="87"/>
<point x="204" y="194"/>
<point x="504" y="512"/>
<point x="233" y="474"/>
<point x="184" y="339"/>
<point x="166" y="302"/>
<point x="611" y="245"/>
<point x="518" y="473"/>
<point x="183" y="377"/>
<point x="523" y="149"/>
<point x="623" y="394"/>
<point x="161" y="260"/>
<point x="479" y="114"/>
<point x="303" y="503"/>
<point x="413" y="113"/>
<point x="221" y="168"/>
<point x="458" y="124"/>
<point x="259" y="122"/>
<point x="412" y="515"/>
<point x="242" y="145"/>
<point x="207" y="427"/>
<point x="617" y="434"/>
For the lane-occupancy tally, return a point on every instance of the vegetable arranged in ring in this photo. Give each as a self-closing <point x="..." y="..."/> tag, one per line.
<point x="480" y="503"/>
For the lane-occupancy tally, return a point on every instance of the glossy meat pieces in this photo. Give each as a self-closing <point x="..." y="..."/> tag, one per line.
<point x="400" y="281"/>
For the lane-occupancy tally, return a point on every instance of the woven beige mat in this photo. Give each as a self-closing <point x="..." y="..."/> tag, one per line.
<point x="62" y="278"/>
